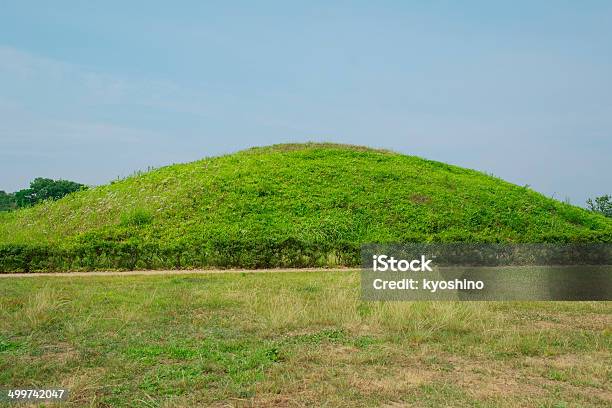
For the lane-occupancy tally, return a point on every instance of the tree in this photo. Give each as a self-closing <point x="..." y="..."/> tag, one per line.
<point x="602" y="205"/>
<point x="45" y="189"/>
<point x="7" y="201"/>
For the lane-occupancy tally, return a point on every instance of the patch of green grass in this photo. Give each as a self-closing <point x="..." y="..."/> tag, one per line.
<point x="282" y="206"/>
<point x="327" y="335"/>
<point x="557" y="375"/>
<point x="262" y="340"/>
<point x="136" y="218"/>
<point x="7" y="346"/>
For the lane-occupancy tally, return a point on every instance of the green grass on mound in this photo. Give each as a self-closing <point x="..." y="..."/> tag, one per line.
<point x="282" y="206"/>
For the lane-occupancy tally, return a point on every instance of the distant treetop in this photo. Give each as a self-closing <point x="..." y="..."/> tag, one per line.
<point x="40" y="189"/>
<point x="602" y="205"/>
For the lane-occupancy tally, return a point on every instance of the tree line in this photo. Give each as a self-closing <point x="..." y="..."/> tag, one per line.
<point x="40" y="189"/>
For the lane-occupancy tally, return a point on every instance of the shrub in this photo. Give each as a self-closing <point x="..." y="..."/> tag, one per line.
<point x="136" y="218"/>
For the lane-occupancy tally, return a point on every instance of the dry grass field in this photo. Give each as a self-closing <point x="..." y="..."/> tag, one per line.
<point x="294" y="339"/>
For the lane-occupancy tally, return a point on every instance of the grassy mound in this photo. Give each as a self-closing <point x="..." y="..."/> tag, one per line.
<point x="284" y="205"/>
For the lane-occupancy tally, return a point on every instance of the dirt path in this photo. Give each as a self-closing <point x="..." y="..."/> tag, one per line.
<point x="170" y="272"/>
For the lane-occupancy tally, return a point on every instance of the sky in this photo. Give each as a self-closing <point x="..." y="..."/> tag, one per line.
<point x="92" y="91"/>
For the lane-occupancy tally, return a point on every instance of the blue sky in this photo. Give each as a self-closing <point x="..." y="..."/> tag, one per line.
<point x="522" y="90"/>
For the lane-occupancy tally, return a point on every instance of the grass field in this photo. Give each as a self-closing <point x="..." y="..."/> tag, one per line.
<point x="294" y="339"/>
<point x="306" y="205"/>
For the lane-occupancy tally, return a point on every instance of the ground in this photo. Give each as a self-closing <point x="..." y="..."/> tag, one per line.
<point x="294" y="339"/>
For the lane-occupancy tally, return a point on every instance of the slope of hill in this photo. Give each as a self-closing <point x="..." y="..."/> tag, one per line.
<point x="283" y="205"/>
